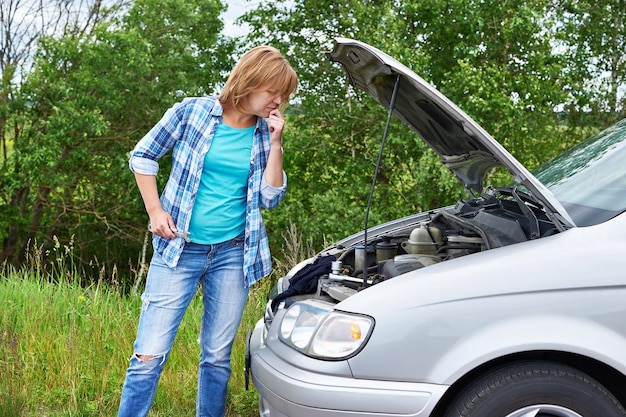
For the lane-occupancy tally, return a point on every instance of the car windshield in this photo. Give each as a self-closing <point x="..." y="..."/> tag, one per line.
<point x="590" y="179"/>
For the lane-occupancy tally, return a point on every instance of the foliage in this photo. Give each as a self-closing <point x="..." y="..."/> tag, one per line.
<point x="496" y="60"/>
<point x="593" y="36"/>
<point x="80" y="111"/>
<point x="334" y="135"/>
<point x="539" y="75"/>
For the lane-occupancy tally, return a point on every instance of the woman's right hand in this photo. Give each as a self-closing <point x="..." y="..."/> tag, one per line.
<point x="162" y="224"/>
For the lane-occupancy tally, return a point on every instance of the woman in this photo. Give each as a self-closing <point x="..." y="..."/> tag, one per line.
<point x="207" y="226"/>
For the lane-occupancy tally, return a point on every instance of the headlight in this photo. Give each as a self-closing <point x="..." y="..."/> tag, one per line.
<point x="323" y="333"/>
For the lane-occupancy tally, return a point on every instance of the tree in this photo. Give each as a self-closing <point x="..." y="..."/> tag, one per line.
<point x="22" y="23"/>
<point x="494" y="59"/>
<point x="593" y="35"/>
<point x="533" y="73"/>
<point x="86" y="102"/>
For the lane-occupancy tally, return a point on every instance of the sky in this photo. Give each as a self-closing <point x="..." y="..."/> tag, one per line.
<point x="235" y="9"/>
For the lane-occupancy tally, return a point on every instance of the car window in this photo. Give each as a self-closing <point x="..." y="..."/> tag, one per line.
<point x="590" y="178"/>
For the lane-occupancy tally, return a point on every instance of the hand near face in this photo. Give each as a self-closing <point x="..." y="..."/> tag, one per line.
<point x="276" y="124"/>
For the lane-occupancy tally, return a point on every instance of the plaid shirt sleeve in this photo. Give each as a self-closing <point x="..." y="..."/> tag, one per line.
<point x="257" y="259"/>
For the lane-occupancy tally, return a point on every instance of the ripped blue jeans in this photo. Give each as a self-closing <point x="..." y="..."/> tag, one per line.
<point x="218" y="270"/>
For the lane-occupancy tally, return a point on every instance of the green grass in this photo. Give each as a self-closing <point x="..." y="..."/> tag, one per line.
<point x="64" y="350"/>
<point x="64" y="346"/>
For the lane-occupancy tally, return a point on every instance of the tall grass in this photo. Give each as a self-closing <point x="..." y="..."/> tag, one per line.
<point x="64" y="346"/>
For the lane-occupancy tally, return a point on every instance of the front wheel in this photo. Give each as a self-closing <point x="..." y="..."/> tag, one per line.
<point x="535" y="389"/>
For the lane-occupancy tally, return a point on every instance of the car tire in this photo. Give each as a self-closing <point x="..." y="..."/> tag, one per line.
<point x="537" y="389"/>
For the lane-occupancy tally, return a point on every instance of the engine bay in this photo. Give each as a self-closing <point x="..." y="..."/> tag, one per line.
<point x="502" y="218"/>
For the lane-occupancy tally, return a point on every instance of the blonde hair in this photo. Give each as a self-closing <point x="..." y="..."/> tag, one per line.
<point x="262" y="68"/>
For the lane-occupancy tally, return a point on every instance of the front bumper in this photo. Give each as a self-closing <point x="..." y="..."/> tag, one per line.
<point x="286" y="390"/>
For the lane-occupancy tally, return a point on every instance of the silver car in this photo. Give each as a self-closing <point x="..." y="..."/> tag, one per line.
<point x="510" y="303"/>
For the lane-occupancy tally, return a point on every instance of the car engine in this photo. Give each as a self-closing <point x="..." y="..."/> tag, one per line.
<point x="505" y="217"/>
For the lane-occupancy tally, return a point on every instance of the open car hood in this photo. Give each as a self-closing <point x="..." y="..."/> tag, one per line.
<point x="462" y="145"/>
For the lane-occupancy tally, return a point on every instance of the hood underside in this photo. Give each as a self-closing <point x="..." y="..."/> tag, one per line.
<point x="462" y="145"/>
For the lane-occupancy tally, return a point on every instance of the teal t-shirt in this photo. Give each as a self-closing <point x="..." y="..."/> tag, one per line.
<point x="219" y="212"/>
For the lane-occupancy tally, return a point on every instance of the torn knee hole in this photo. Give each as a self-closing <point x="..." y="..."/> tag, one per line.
<point x="146" y="358"/>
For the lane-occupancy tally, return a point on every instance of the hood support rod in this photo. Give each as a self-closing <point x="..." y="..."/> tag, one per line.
<point x="392" y="104"/>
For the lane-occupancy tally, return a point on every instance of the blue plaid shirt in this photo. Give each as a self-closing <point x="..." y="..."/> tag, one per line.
<point x="187" y="129"/>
